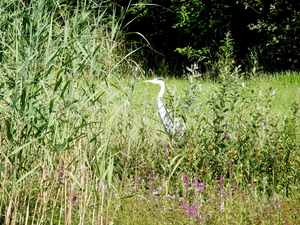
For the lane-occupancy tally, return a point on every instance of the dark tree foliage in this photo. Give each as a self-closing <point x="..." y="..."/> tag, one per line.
<point x="155" y="20"/>
<point x="278" y="22"/>
<point x="182" y="31"/>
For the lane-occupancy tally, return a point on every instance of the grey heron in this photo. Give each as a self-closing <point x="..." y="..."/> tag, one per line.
<point x="172" y="125"/>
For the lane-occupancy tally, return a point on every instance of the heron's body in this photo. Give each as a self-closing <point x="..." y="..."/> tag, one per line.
<point x="171" y="124"/>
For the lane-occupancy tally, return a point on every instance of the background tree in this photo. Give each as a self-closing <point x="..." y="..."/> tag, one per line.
<point x="278" y="22"/>
<point x="183" y="31"/>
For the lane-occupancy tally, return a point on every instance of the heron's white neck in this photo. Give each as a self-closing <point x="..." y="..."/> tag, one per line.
<point x="161" y="92"/>
<point x="160" y="104"/>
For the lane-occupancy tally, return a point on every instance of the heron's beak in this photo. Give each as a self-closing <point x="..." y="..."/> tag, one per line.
<point x="149" y="81"/>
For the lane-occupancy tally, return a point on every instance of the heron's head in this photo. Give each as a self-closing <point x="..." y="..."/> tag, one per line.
<point x="158" y="80"/>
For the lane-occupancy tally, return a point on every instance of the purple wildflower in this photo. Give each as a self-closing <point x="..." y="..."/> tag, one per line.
<point x="151" y="176"/>
<point x="233" y="187"/>
<point x="196" y="182"/>
<point x="128" y="158"/>
<point x="222" y="190"/>
<point x="199" y="186"/>
<point x="191" y="210"/>
<point x="74" y="198"/>
<point x="60" y="175"/>
<point x="150" y="182"/>
<point x="185" y="180"/>
<point x="221" y="181"/>
<point x="170" y="196"/>
<point x="137" y="180"/>
<point x="61" y="172"/>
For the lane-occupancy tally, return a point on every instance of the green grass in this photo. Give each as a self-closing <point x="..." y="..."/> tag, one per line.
<point x="82" y="144"/>
<point x="286" y="86"/>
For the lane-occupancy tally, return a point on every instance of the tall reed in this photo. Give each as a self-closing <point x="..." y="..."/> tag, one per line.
<point x="56" y="119"/>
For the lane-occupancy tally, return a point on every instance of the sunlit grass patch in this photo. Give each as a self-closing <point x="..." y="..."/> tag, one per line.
<point x="285" y="85"/>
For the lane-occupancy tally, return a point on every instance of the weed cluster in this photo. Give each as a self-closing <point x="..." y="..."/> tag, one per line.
<point x="240" y="139"/>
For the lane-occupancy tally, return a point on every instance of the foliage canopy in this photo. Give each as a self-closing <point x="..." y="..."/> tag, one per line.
<point x="269" y="30"/>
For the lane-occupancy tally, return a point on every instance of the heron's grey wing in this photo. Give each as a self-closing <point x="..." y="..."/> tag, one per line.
<point x="168" y="122"/>
<point x="176" y="126"/>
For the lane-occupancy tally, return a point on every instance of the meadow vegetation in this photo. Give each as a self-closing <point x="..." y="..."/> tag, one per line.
<point x="81" y="141"/>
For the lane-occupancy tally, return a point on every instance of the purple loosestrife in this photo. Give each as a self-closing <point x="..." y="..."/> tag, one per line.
<point x="222" y="190"/>
<point x="150" y="182"/>
<point x="171" y="196"/>
<point x="191" y="210"/>
<point x="128" y="158"/>
<point x="60" y="176"/>
<point x="137" y="180"/>
<point x="186" y="181"/>
<point x="225" y="135"/>
<point x="61" y="172"/>
<point x="199" y="186"/>
<point x="74" y="199"/>
<point x="233" y="187"/>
